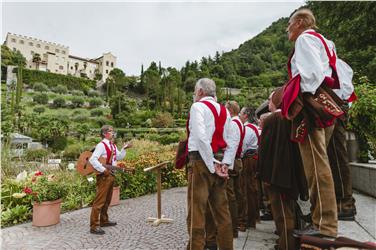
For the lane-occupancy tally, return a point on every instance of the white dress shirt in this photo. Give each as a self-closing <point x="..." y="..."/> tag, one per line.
<point x="250" y="139"/>
<point x="311" y="61"/>
<point x="202" y="127"/>
<point x="345" y="75"/>
<point x="236" y="133"/>
<point x="100" y="151"/>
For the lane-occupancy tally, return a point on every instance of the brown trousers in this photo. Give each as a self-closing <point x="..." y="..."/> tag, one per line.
<point x="283" y="210"/>
<point x="339" y="163"/>
<point x="102" y="200"/>
<point x="252" y="191"/>
<point x="320" y="180"/>
<point x="207" y="189"/>
<point x="234" y="193"/>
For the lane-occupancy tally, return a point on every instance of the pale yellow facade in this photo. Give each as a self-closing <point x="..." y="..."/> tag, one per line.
<point x="55" y="58"/>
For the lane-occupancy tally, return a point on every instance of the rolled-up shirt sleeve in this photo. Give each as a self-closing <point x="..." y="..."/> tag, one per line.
<point x="345" y="75"/>
<point x="198" y="134"/>
<point x="120" y="154"/>
<point x="231" y="135"/>
<point x="308" y="63"/>
<point x="99" y="149"/>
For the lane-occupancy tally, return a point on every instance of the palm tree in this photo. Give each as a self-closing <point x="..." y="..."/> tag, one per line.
<point x="37" y="60"/>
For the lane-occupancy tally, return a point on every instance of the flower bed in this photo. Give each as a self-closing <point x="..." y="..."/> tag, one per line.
<point x="76" y="191"/>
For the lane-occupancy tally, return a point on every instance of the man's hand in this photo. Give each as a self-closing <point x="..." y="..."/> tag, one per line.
<point x="219" y="171"/>
<point x="127" y="145"/>
<point x="225" y="169"/>
<point x="106" y="172"/>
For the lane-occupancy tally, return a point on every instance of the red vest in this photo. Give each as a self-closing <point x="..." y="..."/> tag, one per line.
<point x="110" y="152"/>
<point x="242" y="133"/>
<point x="218" y="142"/>
<point x="253" y="127"/>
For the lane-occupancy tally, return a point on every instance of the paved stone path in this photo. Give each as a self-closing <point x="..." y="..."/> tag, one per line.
<point x="133" y="232"/>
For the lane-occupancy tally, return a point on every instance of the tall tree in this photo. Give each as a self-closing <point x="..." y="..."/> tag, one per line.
<point x="37" y="60"/>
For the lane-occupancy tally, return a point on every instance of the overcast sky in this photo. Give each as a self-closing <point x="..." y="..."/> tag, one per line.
<point x="138" y="33"/>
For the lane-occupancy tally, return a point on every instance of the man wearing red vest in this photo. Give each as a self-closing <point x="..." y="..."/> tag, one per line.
<point x="337" y="151"/>
<point x="235" y="194"/>
<point x="249" y="154"/>
<point x="310" y="65"/>
<point x="105" y="179"/>
<point x="211" y="154"/>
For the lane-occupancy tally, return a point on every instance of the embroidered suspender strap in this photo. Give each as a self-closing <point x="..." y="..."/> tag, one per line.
<point x="242" y="133"/>
<point x="217" y="141"/>
<point x="253" y="127"/>
<point x="109" y="153"/>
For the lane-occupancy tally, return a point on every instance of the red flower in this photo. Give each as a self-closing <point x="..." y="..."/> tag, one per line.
<point x="28" y="190"/>
<point x="38" y="173"/>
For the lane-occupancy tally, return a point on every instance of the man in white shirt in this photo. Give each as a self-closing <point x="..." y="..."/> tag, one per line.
<point x="235" y="193"/>
<point x="337" y="150"/>
<point x="105" y="179"/>
<point x="249" y="157"/>
<point x="211" y="153"/>
<point x="311" y="62"/>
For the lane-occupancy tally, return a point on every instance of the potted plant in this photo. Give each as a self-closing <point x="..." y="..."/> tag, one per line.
<point x="47" y="194"/>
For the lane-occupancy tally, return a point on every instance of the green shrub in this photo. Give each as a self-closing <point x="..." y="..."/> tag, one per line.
<point x="93" y="93"/>
<point x="96" y="112"/>
<point x="36" y="154"/>
<point x="40" y="87"/>
<point x="81" y="118"/>
<point x="95" y="102"/>
<point x="60" y="89"/>
<point x="100" y="121"/>
<point x="72" y="152"/>
<point x="78" y="112"/>
<point x="39" y="109"/>
<point x="15" y="215"/>
<point x="59" y="143"/>
<point x="164" y="139"/>
<point x="77" y="101"/>
<point x="52" y="80"/>
<point x="59" y="102"/>
<point x="41" y="98"/>
<point x="163" y="120"/>
<point x="363" y="118"/>
<point x="77" y="92"/>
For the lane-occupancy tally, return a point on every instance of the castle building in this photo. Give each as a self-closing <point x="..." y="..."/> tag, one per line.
<point x="55" y="58"/>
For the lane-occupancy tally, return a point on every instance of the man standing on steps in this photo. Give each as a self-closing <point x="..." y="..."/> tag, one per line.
<point x="105" y="179"/>
<point x="235" y="194"/>
<point x="311" y="71"/>
<point x="211" y="154"/>
<point x="337" y="150"/>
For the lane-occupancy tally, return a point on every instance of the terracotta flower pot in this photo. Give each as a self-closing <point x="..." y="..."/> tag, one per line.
<point x="115" y="200"/>
<point x="46" y="213"/>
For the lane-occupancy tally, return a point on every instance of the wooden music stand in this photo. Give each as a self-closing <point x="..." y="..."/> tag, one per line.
<point x="160" y="218"/>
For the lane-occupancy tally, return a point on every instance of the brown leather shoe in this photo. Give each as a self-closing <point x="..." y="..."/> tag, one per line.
<point x="98" y="231"/>
<point x="109" y="224"/>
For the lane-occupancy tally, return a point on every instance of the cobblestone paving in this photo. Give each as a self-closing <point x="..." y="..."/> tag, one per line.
<point x="132" y="231"/>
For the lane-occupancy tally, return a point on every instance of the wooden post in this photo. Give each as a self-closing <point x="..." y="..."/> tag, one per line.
<point x="160" y="218"/>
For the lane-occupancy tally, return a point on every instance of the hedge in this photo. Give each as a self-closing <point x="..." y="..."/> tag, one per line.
<point x="52" y="80"/>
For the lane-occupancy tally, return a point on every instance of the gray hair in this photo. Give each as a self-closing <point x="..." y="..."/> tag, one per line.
<point x="207" y="85"/>
<point x="105" y="129"/>
<point x="250" y="112"/>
